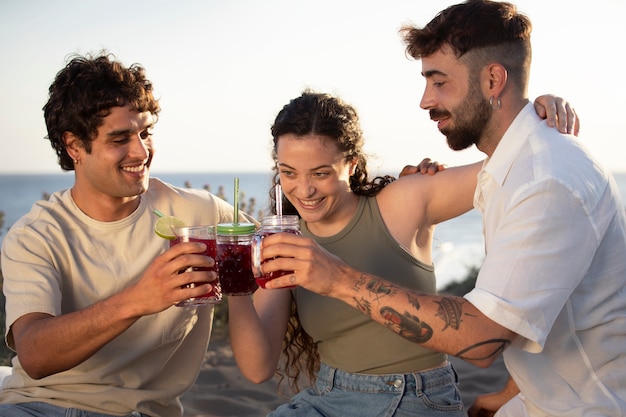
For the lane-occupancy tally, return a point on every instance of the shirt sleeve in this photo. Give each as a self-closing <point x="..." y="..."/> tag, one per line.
<point x="31" y="282"/>
<point x="542" y="244"/>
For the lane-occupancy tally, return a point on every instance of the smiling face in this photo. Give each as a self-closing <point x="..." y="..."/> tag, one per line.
<point x="454" y="99"/>
<point x="315" y="178"/>
<point x="116" y="170"/>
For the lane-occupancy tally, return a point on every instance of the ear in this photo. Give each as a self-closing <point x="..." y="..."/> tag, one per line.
<point x="353" y="164"/>
<point x="497" y="76"/>
<point x="72" y="144"/>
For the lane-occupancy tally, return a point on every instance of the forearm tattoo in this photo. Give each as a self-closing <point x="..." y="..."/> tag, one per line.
<point x="363" y="305"/>
<point x="414" y="301"/>
<point x="406" y="325"/>
<point x="450" y="312"/>
<point x="379" y="289"/>
<point x="409" y="326"/>
<point x="359" y="283"/>
<point x="498" y="347"/>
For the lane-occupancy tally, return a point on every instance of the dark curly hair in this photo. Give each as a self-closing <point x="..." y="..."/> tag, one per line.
<point x="322" y="114"/>
<point x="319" y="114"/>
<point x="84" y="92"/>
<point x="479" y="32"/>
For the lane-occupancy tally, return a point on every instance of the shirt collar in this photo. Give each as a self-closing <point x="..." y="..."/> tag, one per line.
<point x="500" y="162"/>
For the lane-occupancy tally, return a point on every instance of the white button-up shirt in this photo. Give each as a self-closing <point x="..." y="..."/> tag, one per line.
<point x="555" y="270"/>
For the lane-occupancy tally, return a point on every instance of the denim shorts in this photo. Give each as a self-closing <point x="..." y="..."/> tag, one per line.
<point x="40" y="409"/>
<point x="344" y="394"/>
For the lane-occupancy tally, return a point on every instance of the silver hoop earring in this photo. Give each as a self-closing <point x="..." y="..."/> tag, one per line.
<point x="498" y="102"/>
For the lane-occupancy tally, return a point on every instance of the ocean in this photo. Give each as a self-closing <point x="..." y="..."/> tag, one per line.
<point x="458" y="245"/>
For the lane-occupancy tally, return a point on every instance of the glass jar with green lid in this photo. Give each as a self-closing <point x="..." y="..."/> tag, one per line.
<point x="234" y="258"/>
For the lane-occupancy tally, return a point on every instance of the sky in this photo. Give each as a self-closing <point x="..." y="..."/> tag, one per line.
<point x="223" y="69"/>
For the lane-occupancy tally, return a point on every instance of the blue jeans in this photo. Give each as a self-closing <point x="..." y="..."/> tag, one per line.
<point x="343" y="394"/>
<point x="39" y="409"/>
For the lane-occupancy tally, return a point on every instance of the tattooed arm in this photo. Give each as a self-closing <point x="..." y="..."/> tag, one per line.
<point x="443" y="323"/>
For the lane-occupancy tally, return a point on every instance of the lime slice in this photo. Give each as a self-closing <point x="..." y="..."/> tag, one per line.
<point x="164" y="226"/>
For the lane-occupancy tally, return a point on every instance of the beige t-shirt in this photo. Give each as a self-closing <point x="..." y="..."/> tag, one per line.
<point x="56" y="260"/>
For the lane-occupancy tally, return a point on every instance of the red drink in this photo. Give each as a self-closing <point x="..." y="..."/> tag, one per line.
<point x="233" y="258"/>
<point x="263" y="277"/>
<point x="215" y="294"/>
<point x="235" y="269"/>
<point x="269" y="226"/>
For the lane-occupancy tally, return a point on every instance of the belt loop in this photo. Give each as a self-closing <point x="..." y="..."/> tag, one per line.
<point x="326" y="378"/>
<point x="456" y="376"/>
<point x="419" y="382"/>
<point x="330" y="380"/>
<point x="411" y="383"/>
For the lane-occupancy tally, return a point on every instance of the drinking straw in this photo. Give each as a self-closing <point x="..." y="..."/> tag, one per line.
<point x="279" y="199"/>
<point x="158" y="213"/>
<point x="236" y="204"/>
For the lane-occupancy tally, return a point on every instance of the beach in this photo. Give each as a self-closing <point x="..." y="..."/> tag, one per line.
<point x="222" y="391"/>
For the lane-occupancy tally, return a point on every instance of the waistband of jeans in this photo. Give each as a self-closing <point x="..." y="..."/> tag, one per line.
<point x="75" y="412"/>
<point x="47" y="408"/>
<point x="71" y="412"/>
<point x="330" y="377"/>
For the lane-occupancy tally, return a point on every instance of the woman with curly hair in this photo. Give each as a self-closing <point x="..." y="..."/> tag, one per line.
<point x="382" y="225"/>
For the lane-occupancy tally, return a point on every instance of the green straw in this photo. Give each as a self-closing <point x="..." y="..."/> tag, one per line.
<point x="236" y="204"/>
<point x="158" y="213"/>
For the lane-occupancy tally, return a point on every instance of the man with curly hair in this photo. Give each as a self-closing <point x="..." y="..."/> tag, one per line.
<point x="90" y="289"/>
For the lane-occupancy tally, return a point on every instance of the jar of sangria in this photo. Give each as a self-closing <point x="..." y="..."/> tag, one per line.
<point x="271" y="225"/>
<point x="234" y="258"/>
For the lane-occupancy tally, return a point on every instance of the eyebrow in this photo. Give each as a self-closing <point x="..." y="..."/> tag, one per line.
<point x="122" y="132"/>
<point x="312" y="169"/>
<point x="430" y="73"/>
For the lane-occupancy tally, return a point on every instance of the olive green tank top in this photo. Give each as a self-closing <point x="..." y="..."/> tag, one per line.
<point x="348" y="339"/>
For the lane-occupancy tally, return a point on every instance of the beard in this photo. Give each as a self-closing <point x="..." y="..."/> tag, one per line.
<point x="470" y="119"/>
